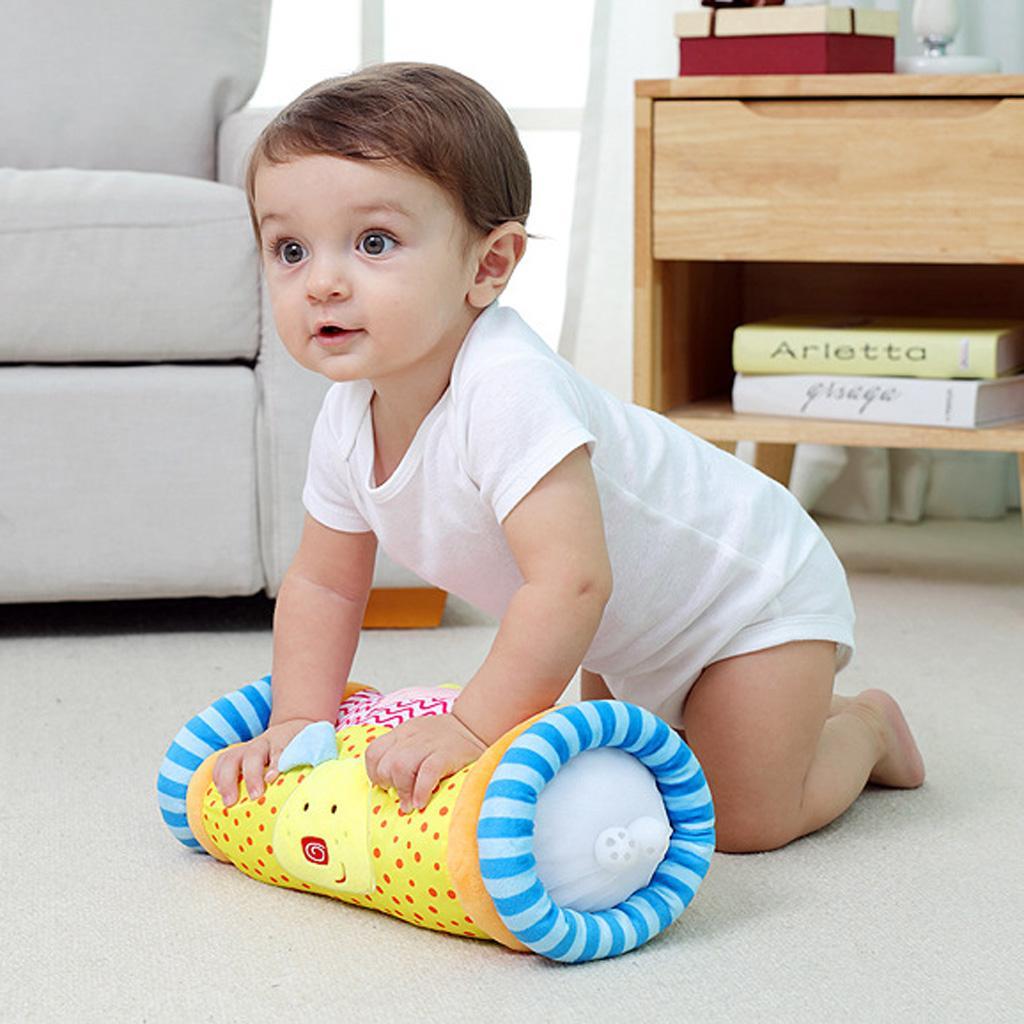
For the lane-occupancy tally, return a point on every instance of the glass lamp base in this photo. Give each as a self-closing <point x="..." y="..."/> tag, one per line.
<point x="948" y="65"/>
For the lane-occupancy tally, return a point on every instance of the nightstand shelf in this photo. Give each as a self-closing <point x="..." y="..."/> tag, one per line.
<point x="776" y="436"/>
<point x="714" y="420"/>
<point x="831" y="194"/>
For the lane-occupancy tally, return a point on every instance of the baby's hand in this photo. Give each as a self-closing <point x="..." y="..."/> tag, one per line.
<point x="255" y="761"/>
<point x="414" y="756"/>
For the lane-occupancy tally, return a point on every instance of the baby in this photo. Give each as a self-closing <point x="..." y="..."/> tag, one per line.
<point x="390" y="207"/>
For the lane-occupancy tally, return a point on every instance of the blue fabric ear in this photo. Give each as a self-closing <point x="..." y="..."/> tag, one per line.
<point x="312" y="746"/>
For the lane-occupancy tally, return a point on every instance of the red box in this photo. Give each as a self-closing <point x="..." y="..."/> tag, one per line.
<point x="812" y="53"/>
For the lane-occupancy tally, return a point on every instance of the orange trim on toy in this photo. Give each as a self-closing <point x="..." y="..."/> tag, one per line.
<point x="197" y="787"/>
<point x="351" y="688"/>
<point x="463" y="855"/>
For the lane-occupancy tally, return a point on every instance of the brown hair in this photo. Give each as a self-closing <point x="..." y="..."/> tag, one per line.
<point x="425" y="117"/>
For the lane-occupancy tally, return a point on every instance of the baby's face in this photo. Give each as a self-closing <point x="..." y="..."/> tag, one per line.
<point x="367" y="266"/>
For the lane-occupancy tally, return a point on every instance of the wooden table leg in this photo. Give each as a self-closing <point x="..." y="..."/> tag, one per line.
<point x="775" y="460"/>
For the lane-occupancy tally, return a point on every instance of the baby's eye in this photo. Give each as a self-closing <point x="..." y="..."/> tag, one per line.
<point x="374" y="243"/>
<point x="288" y="251"/>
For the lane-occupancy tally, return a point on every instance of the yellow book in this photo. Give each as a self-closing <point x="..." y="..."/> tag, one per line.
<point x="880" y="346"/>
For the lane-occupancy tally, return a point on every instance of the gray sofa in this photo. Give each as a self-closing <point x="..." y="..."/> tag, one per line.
<point x="153" y="431"/>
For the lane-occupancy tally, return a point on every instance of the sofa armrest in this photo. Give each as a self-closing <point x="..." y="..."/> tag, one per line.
<point x="235" y="138"/>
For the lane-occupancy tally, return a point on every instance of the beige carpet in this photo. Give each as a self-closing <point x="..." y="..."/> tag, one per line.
<point x="909" y="908"/>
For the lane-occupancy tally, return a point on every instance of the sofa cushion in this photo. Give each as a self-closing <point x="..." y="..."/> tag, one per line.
<point x="118" y="84"/>
<point x="123" y="266"/>
<point x="127" y="482"/>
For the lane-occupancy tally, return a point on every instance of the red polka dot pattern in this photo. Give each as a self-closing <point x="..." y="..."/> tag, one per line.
<point x="407" y="851"/>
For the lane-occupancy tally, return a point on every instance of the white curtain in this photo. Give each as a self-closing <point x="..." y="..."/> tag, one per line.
<point x="631" y="41"/>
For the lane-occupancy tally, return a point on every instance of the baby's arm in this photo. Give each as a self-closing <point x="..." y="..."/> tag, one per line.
<point x="556" y="534"/>
<point x="317" y="620"/>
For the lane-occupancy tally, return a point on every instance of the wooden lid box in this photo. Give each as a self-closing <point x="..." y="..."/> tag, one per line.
<point x="809" y="40"/>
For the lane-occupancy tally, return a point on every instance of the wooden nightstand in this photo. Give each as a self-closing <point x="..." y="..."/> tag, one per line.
<point x="759" y="196"/>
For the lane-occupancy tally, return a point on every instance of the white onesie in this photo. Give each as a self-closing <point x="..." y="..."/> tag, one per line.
<point x="709" y="557"/>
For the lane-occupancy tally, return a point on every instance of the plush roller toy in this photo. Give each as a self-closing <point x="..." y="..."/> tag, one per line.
<point x="580" y="834"/>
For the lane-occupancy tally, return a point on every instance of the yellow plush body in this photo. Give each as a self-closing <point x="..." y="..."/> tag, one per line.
<point x="467" y="864"/>
<point x="373" y="855"/>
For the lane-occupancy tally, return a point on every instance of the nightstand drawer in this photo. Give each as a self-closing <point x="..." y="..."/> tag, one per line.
<point x="929" y="180"/>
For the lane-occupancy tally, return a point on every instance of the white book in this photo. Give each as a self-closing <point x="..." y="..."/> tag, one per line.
<point x="907" y="400"/>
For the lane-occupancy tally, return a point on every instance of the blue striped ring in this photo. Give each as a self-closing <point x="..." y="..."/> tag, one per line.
<point x="234" y="718"/>
<point x="505" y="831"/>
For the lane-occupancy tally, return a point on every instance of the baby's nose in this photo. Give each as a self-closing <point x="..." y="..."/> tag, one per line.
<point x="327" y="281"/>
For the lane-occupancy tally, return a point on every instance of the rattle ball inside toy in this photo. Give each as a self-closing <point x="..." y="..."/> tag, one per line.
<point x="600" y="831"/>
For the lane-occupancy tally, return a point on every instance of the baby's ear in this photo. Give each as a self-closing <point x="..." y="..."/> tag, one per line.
<point x="497" y="256"/>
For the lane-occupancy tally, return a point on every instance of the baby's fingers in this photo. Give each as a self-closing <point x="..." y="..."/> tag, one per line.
<point x="271" y="772"/>
<point x="402" y="772"/>
<point x="375" y="753"/>
<point x="430" y="773"/>
<point x="254" y="766"/>
<point x="396" y="767"/>
<point x="225" y="774"/>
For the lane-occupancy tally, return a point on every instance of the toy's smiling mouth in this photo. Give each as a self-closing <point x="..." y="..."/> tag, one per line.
<point x="338" y="881"/>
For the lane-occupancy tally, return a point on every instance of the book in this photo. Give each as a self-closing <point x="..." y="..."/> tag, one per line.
<point x="905" y="400"/>
<point x="694" y="24"/>
<point x="783" y="21"/>
<point x="773" y="21"/>
<point x="880" y="346"/>
<point x="804" y="54"/>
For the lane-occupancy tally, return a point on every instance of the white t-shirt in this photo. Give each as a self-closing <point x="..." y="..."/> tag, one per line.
<point x="702" y="546"/>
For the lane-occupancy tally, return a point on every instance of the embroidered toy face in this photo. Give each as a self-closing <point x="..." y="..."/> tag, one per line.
<point x="321" y="834"/>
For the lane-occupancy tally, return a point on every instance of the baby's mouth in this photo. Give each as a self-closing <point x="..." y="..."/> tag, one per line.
<point x="332" y="334"/>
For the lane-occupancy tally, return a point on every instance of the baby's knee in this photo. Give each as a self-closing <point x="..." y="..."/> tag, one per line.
<point x="755" y="826"/>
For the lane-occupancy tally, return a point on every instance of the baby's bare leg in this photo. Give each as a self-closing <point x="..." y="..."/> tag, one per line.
<point x="781" y="759"/>
<point x="593" y="687"/>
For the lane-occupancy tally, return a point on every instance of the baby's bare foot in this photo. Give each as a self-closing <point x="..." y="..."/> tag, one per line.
<point x="901" y="765"/>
